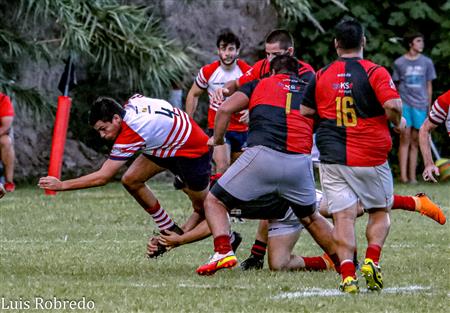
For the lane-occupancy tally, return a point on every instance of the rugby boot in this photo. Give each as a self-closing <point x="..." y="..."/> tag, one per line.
<point x="217" y="262"/>
<point x="372" y="273"/>
<point x="252" y="263"/>
<point x="349" y="285"/>
<point x="237" y="240"/>
<point x="162" y="249"/>
<point x="425" y="206"/>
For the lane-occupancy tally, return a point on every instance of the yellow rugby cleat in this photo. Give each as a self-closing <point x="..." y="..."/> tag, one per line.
<point x="217" y="262"/>
<point x="372" y="274"/>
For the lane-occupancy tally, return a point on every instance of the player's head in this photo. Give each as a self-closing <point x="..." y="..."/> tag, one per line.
<point x="414" y="41"/>
<point x="106" y="117"/>
<point x="279" y="42"/>
<point x="228" y="45"/>
<point x="349" y="35"/>
<point x="284" y="64"/>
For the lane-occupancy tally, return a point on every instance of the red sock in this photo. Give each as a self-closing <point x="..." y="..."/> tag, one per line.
<point x="160" y="217"/>
<point x="315" y="263"/>
<point x="373" y="252"/>
<point x="404" y="203"/>
<point x="348" y="269"/>
<point x="222" y="244"/>
<point x="259" y="249"/>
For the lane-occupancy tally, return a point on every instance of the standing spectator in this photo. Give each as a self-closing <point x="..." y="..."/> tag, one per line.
<point x="413" y="73"/>
<point x="354" y="99"/>
<point x="6" y="141"/>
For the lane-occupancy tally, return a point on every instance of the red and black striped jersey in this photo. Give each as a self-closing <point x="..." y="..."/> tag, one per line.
<point x="275" y="120"/>
<point x="261" y="69"/>
<point x="348" y="96"/>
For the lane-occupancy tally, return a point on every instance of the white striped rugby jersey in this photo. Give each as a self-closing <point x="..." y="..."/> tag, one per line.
<point x="440" y="111"/>
<point x="158" y="129"/>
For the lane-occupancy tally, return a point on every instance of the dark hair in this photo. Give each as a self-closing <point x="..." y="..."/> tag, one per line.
<point x="409" y="37"/>
<point x="103" y="109"/>
<point x="227" y="37"/>
<point x="349" y="34"/>
<point x="284" y="64"/>
<point x="281" y="36"/>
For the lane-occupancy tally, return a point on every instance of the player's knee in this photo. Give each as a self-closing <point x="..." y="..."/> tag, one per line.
<point x="210" y="201"/>
<point x="129" y="181"/>
<point x="278" y="264"/>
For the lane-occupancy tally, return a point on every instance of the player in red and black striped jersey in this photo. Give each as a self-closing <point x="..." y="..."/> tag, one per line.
<point x="278" y="160"/>
<point x="278" y="42"/>
<point x="354" y="99"/>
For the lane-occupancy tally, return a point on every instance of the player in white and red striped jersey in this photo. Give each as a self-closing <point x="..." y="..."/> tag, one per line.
<point x="210" y="78"/>
<point x="439" y="114"/>
<point x="167" y="139"/>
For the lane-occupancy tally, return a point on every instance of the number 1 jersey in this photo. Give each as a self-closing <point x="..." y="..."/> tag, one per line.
<point x="156" y="128"/>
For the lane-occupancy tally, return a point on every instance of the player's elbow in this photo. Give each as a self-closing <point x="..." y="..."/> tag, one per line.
<point x="305" y="111"/>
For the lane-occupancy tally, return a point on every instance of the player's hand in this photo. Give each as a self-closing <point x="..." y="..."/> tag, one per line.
<point x="429" y="172"/>
<point x="212" y="142"/>
<point x="244" y="116"/>
<point x="171" y="239"/>
<point x="50" y="182"/>
<point x="401" y="126"/>
<point x="219" y="95"/>
<point x="152" y="245"/>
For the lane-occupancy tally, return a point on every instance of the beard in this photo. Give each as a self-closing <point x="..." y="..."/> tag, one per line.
<point x="228" y="61"/>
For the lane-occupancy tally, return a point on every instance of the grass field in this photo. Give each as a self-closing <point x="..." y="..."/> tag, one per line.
<point x="91" y="244"/>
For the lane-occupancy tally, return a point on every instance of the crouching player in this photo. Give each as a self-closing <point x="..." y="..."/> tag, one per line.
<point x="168" y="140"/>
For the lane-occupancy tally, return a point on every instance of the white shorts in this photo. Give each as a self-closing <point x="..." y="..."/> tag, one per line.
<point x="344" y="185"/>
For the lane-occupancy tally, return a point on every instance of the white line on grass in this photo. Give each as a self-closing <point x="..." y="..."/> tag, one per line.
<point x="65" y="240"/>
<point x="314" y="292"/>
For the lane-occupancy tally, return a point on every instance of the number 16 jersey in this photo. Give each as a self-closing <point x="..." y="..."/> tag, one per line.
<point x="348" y="96"/>
<point x="156" y="128"/>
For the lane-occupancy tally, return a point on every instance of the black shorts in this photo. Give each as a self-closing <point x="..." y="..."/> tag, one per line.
<point x="270" y="206"/>
<point x="194" y="173"/>
<point x="236" y="140"/>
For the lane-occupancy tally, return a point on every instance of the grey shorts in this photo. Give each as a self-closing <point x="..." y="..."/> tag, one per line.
<point x="344" y="185"/>
<point x="261" y="170"/>
<point x="290" y="223"/>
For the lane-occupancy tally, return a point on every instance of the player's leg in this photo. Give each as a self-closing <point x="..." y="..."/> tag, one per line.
<point x="256" y="259"/>
<point x="221" y="158"/>
<point x="420" y="203"/>
<point x="7" y="157"/>
<point x="405" y="140"/>
<point x="413" y="153"/>
<point x="280" y="252"/>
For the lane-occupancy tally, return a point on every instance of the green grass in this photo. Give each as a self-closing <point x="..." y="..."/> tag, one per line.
<point x="91" y="244"/>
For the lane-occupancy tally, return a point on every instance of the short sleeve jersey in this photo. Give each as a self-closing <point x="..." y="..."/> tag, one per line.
<point x="348" y="96"/>
<point x="275" y="119"/>
<point x="439" y="112"/>
<point x="6" y="107"/>
<point x="413" y="76"/>
<point x="213" y="76"/>
<point x="156" y="128"/>
<point x="261" y="69"/>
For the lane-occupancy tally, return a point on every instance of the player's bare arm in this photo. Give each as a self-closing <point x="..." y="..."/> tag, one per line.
<point x="393" y="109"/>
<point x="227" y="90"/>
<point x="5" y="124"/>
<point x="192" y="99"/>
<point x="237" y="102"/>
<point x="98" y="178"/>
<point x="424" y="143"/>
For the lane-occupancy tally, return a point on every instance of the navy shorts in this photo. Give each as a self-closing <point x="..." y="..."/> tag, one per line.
<point x="236" y="140"/>
<point x="194" y="173"/>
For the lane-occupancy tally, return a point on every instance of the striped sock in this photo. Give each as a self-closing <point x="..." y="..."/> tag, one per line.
<point x="259" y="249"/>
<point x="160" y="217"/>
